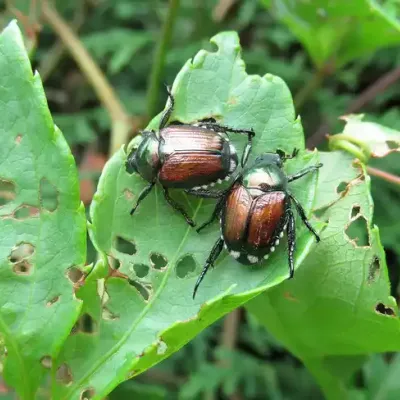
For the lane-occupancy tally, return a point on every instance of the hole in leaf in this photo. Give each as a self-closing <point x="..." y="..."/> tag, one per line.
<point x="143" y="290"/>
<point x="382" y="309"/>
<point x="125" y="246"/>
<point x="21" y="251"/>
<point x="341" y="187"/>
<point x="129" y="195"/>
<point x="355" y="211"/>
<point x="26" y="211"/>
<point x="48" y="195"/>
<point x="18" y="139"/>
<point x="141" y="270"/>
<point x="158" y="261"/>
<point x="46" y="361"/>
<point x="74" y="274"/>
<point x="19" y="257"/>
<point x="7" y="192"/>
<point x="52" y="301"/>
<point x="85" y="324"/>
<point x="392" y="144"/>
<point x="374" y="269"/>
<point x="185" y="266"/>
<point x="108" y="315"/>
<point x="87" y="394"/>
<point x="357" y="232"/>
<point x="64" y="374"/>
<point x="22" y="267"/>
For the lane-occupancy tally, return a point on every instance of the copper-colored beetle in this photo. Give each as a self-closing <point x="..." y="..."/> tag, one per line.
<point x="187" y="157"/>
<point x="255" y="211"/>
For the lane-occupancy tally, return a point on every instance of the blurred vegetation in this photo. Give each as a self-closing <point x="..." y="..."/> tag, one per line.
<point x="233" y="359"/>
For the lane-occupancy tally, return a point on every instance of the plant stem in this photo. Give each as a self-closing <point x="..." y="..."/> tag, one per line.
<point x="121" y="123"/>
<point x="384" y="175"/>
<point x="309" y="87"/>
<point x="159" y="58"/>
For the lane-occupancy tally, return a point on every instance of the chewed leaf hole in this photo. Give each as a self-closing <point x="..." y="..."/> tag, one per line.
<point x="48" y="195"/>
<point x="382" y="309"/>
<point x="108" y="315"/>
<point x="46" y="361"/>
<point x="85" y="324"/>
<point x="129" y="195"/>
<point x="341" y="187"/>
<point x="26" y="211"/>
<point x="374" y="269"/>
<point x="74" y="274"/>
<point x="7" y="191"/>
<point x="125" y="246"/>
<point x="87" y="394"/>
<point x="64" y="374"/>
<point x="357" y="232"/>
<point x="141" y="270"/>
<point x="144" y="291"/>
<point x="355" y="211"/>
<point x="52" y="301"/>
<point x="21" y="251"/>
<point x="392" y="145"/>
<point x="19" y="256"/>
<point x="158" y="261"/>
<point x="185" y="266"/>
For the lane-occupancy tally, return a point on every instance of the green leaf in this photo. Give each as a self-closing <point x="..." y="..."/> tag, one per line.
<point x="338" y="304"/>
<point x="117" y="46"/>
<point x="43" y="225"/>
<point x="142" y="321"/>
<point x="337" y="32"/>
<point x="366" y="139"/>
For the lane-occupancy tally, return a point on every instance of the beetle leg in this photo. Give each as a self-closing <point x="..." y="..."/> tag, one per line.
<point x="206" y="194"/>
<point x="214" y="215"/>
<point x="291" y="237"/>
<point x="284" y="156"/>
<point x="303" y="217"/>
<point x="142" y="195"/>
<point x="215" y="252"/>
<point x="247" y="150"/>
<point x="303" y="172"/>
<point x="177" y="207"/>
<point x="167" y="113"/>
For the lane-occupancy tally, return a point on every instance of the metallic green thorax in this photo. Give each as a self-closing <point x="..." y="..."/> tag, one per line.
<point x="145" y="159"/>
<point x="266" y="174"/>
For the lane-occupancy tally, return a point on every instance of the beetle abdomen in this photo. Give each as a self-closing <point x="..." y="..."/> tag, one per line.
<point x="192" y="156"/>
<point x="235" y="216"/>
<point x="265" y="218"/>
<point x="189" y="169"/>
<point x="249" y="225"/>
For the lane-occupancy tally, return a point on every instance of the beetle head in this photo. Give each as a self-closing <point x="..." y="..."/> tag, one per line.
<point x="268" y="159"/>
<point x="143" y="157"/>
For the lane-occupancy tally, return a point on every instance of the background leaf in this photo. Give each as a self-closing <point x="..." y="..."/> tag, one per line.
<point x="43" y="226"/>
<point x="339" y="31"/>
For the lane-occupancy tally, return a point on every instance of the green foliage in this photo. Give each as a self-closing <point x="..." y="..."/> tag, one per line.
<point x="43" y="227"/>
<point x="342" y="290"/>
<point x="121" y="36"/>
<point x="340" y="31"/>
<point x="143" y="303"/>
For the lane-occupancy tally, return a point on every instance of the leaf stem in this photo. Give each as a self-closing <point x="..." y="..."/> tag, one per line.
<point x="120" y="119"/>
<point x="384" y="175"/>
<point x="159" y="58"/>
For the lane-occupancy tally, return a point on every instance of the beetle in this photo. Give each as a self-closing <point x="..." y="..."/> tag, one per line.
<point x="188" y="157"/>
<point x="255" y="211"/>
